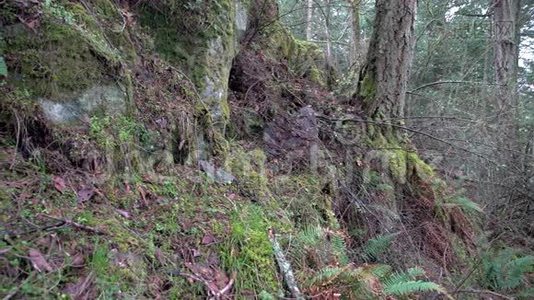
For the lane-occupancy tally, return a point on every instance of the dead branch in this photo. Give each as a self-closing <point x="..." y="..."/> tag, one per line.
<point x="68" y="222"/>
<point x="285" y="267"/>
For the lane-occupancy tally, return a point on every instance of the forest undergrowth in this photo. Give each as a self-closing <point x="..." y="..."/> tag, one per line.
<point x="118" y="206"/>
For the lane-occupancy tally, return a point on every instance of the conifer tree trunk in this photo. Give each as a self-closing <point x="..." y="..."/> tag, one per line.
<point x="505" y="51"/>
<point x="356" y="43"/>
<point x="383" y="80"/>
<point x="309" y="17"/>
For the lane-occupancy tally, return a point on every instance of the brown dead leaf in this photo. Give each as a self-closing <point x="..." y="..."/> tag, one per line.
<point x="214" y="278"/>
<point x="59" y="183"/>
<point x="124" y="213"/>
<point x="78" y="260"/>
<point x="208" y="239"/>
<point x="85" y="194"/>
<point x="39" y="261"/>
<point x="142" y="193"/>
<point x="159" y="256"/>
<point x="83" y="289"/>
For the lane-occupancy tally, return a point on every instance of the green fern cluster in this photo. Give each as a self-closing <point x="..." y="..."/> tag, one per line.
<point x="314" y="242"/>
<point x="398" y="284"/>
<point x="374" y="247"/>
<point x="3" y="67"/>
<point x="506" y="269"/>
<point x="406" y="283"/>
<point x="463" y="203"/>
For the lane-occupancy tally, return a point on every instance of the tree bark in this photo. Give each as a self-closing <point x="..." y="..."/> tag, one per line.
<point x="327" y="36"/>
<point x="505" y="61"/>
<point x="383" y="80"/>
<point x="356" y="42"/>
<point x="505" y="33"/>
<point x="309" y="18"/>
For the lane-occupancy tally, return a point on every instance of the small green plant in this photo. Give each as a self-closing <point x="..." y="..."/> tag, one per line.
<point x="3" y="67"/>
<point x="249" y="250"/>
<point x="376" y="246"/>
<point x="506" y="269"/>
<point x="97" y="130"/>
<point x="406" y="283"/>
<point x="102" y="267"/>
<point x="464" y="203"/>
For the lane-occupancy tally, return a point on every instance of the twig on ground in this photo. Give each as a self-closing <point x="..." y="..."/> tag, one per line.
<point x="227" y="287"/>
<point x="285" y="267"/>
<point x="69" y="222"/>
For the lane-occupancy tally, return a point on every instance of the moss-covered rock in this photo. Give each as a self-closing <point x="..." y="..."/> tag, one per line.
<point x="304" y="58"/>
<point x="249" y="169"/>
<point x="206" y="53"/>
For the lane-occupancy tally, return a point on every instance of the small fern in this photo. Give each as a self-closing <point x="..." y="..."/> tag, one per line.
<point x="517" y="269"/>
<point x="405" y="283"/>
<point x="506" y="270"/>
<point x="325" y="275"/>
<point x="340" y="249"/>
<point x="3" y="67"/>
<point x="409" y="287"/>
<point x="310" y="235"/>
<point x="464" y="203"/>
<point x="381" y="271"/>
<point x="376" y="246"/>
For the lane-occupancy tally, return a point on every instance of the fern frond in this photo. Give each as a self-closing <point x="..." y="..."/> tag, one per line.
<point x="505" y="269"/>
<point x="310" y="235"/>
<point x="325" y="275"/>
<point x="3" y="67"/>
<point x="340" y="249"/>
<point x="464" y="203"/>
<point x="516" y="269"/>
<point x="381" y="271"/>
<point x="376" y="246"/>
<point x="409" y="287"/>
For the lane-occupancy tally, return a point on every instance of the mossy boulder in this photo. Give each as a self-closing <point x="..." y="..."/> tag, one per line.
<point x="249" y="169"/>
<point x="206" y="52"/>
<point x="304" y="58"/>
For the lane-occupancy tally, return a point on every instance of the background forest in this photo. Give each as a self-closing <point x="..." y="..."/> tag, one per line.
<point x="262" y="149"/>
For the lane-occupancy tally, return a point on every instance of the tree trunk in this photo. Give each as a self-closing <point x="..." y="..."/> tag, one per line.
<point x="505" y="50"/>
<point x="330" y="62"/>
<point x="505" y="35"/>
<point x="383" y="81"/>
<point x="506" y="40"/>
<point x="356" y="42"/>
<point x="309" y="17"/>
<point x="327" y="35"/>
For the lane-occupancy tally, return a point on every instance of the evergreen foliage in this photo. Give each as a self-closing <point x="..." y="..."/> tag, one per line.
<point x="506" y="269"/>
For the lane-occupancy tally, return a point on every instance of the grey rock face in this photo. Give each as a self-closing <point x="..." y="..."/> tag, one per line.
<point x="217" y="174"/>
<point x="241" y="19"/>
<point x="110" y="100"/>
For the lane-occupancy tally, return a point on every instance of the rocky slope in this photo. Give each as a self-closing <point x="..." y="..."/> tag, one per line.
<point x="169" y="149"/>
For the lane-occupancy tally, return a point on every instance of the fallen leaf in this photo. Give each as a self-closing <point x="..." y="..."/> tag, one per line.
<point x="159" y="256"/>
<point x="38" y="261"/>
<point x="85" y="194"/>
<point x="195" y="252"/>
<point x="208" y="239"/>
<point x="59" y="183"/>
<point x="77" y="260"/>
<point x="124" y="213"/>
<point x="83" y="289"/>
<point x="142" y="193"/>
